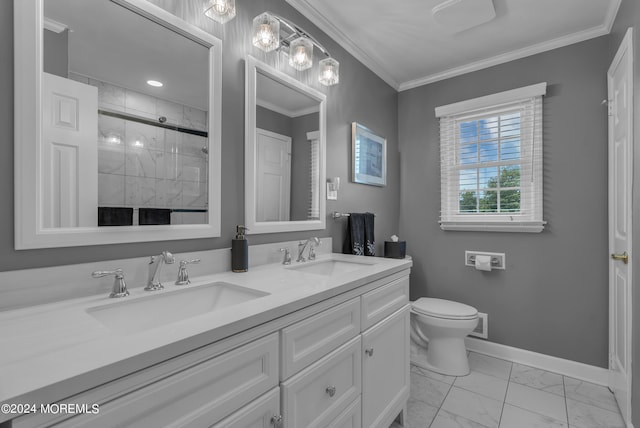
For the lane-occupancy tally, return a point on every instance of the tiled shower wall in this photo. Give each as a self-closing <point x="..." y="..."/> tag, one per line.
<point x="144" y="166"/>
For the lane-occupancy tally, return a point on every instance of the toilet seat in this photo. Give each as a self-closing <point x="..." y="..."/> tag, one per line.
<point x="445" y="309"/>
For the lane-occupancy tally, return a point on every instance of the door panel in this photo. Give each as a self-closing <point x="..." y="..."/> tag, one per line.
<point x="620" y="96"/>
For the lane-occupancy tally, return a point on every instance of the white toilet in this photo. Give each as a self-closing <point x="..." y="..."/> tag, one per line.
<point x="444" y="325"/>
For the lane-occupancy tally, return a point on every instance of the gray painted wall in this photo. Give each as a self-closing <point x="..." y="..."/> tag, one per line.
<point x="552" y="297"/>
<point x="361" y="96"/>
<point x="272" y="121"/>
<point x="629" y="16"/>
<point x="55" y="58"/>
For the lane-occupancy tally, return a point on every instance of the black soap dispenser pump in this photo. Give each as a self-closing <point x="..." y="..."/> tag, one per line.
<point x="240" y="250"/>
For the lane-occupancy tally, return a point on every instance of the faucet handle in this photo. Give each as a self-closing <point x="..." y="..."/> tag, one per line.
<point x="119" y="286"/>
<point x="183" y="275"/>
<point x="287" y="256"/>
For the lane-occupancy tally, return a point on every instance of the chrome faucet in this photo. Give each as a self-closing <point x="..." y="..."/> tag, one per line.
<point x="303" y="245"/>
<point x="183" y="275"/>
<point x="119" y="286"/>
<point x="156" y="262"/>
<point x="287" y="256"/>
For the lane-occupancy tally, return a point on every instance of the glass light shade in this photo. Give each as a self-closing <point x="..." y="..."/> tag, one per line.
<point x="266" y="32"/>
<point x="220" y="10"/>
<point x="301" y="53"/>
<point x="329" y="72"/>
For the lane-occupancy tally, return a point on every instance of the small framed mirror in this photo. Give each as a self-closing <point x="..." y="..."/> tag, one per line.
<point x="117" y="124"/>
<point x="285" y="124"/>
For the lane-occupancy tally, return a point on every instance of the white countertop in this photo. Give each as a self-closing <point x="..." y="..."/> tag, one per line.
<point x="45" y="347"/>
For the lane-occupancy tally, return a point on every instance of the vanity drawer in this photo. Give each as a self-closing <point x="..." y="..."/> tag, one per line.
<point x="257" y="414"/>
<point x="197" y="396"/>
<point x="309" y="340"/>
<point x="321" y="392"/>
<point x="383" y="301"/>
<point x="350" y="418"/>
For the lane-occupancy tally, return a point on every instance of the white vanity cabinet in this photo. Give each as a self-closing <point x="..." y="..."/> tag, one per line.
<point x="342" y="362"/>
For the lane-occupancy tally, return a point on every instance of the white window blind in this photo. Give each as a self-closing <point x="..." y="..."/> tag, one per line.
<point x="313" y="212"/>
<point x="491" y="162"/>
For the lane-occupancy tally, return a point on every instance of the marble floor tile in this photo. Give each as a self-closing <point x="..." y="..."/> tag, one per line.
<point x="428" y="390"/>
<point x="445" y="419"/>
<point x="590" y="393"/>
<point x="433" y="375"/>
<point x="419" y="414"/>
<point x="489" y="365"/>
<point x="583" y="415"/>
<point x="515" y="417"/>
<point x="535" y="400"/>
<point x="538" y="379"/>
<point x="483" y="384"/>
<point x="478" y="408"/>
<point x="501" y="394"/>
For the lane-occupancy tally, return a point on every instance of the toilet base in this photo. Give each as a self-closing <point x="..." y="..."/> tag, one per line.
<point x="447" y="356"/>
<point x="446" y="352"/>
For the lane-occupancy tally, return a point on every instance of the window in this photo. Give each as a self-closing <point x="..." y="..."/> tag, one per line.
<point x="491" y="162"/>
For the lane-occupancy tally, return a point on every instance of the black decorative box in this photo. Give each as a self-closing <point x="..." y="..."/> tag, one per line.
<point x="395" y="250"/>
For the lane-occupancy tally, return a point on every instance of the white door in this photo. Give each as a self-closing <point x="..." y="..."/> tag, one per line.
<point x="273" y="178"/>
<point x="69" y="153"/>
<point x="620" y="95"/>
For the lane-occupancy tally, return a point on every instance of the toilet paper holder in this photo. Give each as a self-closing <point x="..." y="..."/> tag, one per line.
<point x="497" y="259"/>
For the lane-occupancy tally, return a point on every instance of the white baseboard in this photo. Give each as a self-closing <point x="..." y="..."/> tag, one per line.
<point x="581" y="371"/>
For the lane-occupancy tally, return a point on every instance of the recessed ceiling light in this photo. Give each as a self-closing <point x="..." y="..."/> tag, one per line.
<point x="155" y="83"/>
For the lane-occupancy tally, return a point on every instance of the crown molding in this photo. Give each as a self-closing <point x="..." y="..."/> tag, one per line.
<point x="337" y="35"/>
<point x="313" y="15"/>
<point x="509" y="56"/>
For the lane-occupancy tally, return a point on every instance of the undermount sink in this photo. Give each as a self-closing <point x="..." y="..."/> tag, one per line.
<point x="330" y="267"/>
<point x="160" y="309"/>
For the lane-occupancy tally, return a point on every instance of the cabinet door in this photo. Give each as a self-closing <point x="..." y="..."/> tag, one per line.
<point x="385" y="369"/>
<point x="263" y="412"/>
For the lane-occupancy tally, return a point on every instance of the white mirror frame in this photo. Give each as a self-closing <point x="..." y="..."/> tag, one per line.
<point x="250" y="167"/>
<point x="29" y="233"/>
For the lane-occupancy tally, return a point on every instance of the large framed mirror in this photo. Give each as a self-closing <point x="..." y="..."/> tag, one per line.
<point x="285" y="131"/>
<point x="117" y="124"/>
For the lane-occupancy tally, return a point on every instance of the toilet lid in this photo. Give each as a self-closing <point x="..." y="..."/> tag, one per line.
<point x="441" y="308"/>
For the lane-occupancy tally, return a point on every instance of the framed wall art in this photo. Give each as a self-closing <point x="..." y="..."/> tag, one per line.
<point x="369" y="156"/>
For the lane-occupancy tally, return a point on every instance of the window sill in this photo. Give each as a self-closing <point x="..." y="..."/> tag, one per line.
<point x="525" y="227"/>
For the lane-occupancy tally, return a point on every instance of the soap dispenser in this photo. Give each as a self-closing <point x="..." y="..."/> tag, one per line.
<point x="240" y="251"/>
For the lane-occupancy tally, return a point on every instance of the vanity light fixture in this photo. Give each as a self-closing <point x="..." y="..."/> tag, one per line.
<point x="273" y="32"/>
<point x="221" y="11"/>
<point x="155" y="83"/>
<point x="329" y="72"/>
<point x="301" y="54"/>
<point x="266" y="32"/>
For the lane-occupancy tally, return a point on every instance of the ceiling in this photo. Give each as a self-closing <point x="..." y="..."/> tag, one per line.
<point x="281" y="98"/>
<point x="408" y="45"/>
<point x="111" y="43"/>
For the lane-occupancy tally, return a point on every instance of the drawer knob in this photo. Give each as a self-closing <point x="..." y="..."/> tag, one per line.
<point x="331" y="390"/>
<point x="369" y="352"/>
<point x="276" y="421"/>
